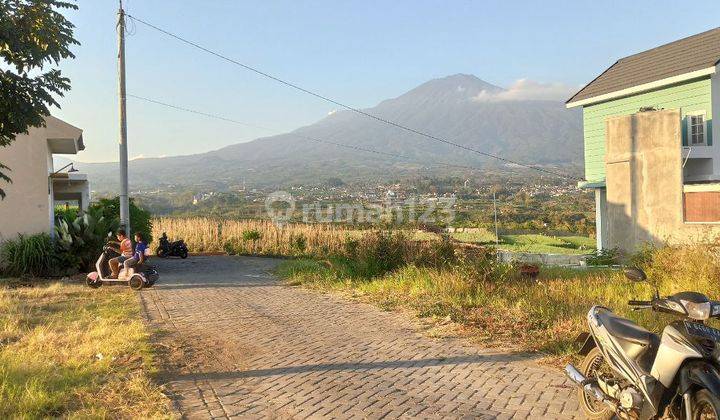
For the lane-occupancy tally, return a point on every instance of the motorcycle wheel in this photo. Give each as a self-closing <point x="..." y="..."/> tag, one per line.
<point x="183" y="254"/>
<point x="594" y="362"/>
<point x="136" y="282"/>
<point x="160" y="252"/>
<point x="706" y="407"/>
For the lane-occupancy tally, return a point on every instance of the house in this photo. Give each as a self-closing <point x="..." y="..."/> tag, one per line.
<point x="36" y="184"/>
<point x="647" y="190"/>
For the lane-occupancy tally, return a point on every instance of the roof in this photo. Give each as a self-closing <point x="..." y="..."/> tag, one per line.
<point x="693" y="55"/>
<point x="63" y="137"/>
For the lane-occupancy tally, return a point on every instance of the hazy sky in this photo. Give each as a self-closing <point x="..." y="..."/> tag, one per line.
<point x="359" y="52"/>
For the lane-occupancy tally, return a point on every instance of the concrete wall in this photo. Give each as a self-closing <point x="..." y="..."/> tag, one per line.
<point x="26" y="209"/>
<point x="542" y="259"/>
<point x="644" y="182"/>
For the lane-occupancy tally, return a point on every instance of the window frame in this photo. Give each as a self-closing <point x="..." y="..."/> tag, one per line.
<point x="689" y="125"/>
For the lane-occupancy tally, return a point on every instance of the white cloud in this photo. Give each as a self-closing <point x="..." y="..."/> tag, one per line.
<point x="140" y="156"/>
<point x="529" y="90"/>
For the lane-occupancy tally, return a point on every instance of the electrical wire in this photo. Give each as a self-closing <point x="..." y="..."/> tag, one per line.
<point x="348" y="107"/>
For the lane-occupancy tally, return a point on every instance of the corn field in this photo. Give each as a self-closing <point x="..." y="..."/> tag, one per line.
<point x="257" y="237"/>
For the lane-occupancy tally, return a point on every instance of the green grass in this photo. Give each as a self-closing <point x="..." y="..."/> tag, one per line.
<point x="481" y="236"/>
<point x="503" y="309"/>
<point x="533" y="243"/>
<point x="542" y="244"/>
<point x="72" y="351"/>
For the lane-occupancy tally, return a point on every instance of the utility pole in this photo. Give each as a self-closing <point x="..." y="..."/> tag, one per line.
<point x="124" y="200"/>
<point x="497" y="240"/>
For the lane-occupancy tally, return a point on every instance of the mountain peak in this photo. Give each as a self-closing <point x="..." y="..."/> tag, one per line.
<point x="454" y="87"/>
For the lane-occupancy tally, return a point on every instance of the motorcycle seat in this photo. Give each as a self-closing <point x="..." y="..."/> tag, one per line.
<point x="626" y="329"/>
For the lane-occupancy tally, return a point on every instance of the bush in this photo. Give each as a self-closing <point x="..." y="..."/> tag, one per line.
<point x="69" y="214"/>
<point x="140" y="219"/>
<point x="436" y="254"/>
<point x="32" y="256"/>
<point x="605" y="257"/>
<point x="298" y="244"/>
<point x="251" y="235"/>
<point x="377" y="253"/>
<point x="82" y="239"/>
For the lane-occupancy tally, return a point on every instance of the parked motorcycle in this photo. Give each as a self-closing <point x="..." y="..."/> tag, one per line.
<point x="631" y="373"/>
<point x="171" y="249"/>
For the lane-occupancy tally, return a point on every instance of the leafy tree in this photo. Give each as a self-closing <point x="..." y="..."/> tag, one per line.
<point x="140" y="219"/>
<point x="33" y="34"/>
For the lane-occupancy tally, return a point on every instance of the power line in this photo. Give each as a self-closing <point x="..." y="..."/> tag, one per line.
<point x="315" y="139"/>
<point x="348" y="107"/>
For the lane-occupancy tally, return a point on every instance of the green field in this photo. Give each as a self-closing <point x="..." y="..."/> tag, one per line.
<point x="532" y="243"/>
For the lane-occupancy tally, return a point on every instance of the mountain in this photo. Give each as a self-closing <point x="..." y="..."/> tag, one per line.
<point x="461" y="108"/>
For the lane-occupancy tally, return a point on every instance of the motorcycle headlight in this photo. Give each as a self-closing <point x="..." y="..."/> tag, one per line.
<point x="699" y="311"/>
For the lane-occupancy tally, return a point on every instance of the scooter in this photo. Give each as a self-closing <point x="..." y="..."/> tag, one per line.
<point x="631" y="373"/>
<point x="142" y="275"/>
<point x="171" y="249"/>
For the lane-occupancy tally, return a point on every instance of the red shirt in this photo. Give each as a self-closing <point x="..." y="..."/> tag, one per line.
<point x="126" y="248"/>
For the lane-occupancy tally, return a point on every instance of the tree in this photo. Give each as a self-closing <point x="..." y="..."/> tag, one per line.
<point x="140" y="219"/>
<point x="33" y="34"/>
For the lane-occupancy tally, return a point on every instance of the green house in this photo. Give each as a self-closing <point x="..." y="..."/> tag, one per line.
<point x="682" y="75"/>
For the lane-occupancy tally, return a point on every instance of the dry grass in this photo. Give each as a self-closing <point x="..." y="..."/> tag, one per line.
<point x="214" y="235"/>
<point x="506" y="310"/>
<point x="71" y="351"/>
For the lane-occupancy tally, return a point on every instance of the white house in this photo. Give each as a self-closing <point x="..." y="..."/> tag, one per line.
<point x="36" y="185"/>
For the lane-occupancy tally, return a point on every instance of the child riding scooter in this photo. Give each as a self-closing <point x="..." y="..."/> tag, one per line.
<point x="128" y="267"/>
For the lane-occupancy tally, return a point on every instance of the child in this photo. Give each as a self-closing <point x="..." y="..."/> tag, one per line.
<point x="140" y="249"/>
<point x="125" y="252"/>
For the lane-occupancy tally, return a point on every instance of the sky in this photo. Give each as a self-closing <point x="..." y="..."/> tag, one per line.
<point x="359" y="53"/>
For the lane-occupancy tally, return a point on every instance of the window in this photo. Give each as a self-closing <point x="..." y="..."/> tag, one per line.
<point x="696" y="130"/>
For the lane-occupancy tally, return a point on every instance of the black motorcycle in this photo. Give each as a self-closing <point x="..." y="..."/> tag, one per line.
<point x="171" y="249"/>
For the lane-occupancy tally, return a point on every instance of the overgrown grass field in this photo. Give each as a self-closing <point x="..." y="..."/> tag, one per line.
<point x="497" y="307"/>
<point x="74" y="352"/>
<point x="262" y="237"/>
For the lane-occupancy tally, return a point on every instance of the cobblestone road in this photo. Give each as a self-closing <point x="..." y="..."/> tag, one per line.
<point x="244" y="346"/>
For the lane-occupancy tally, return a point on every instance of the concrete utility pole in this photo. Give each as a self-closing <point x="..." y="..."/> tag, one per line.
<point x="124" y="200"/>
<point x="497" y="240"/>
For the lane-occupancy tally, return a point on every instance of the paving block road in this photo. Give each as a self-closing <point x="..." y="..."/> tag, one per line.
<point x="243" y="345"/>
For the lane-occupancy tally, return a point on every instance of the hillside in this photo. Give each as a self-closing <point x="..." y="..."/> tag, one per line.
<point x="461" y="108"/>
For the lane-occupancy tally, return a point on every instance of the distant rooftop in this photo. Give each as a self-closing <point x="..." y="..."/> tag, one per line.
<point x="687" y="55"/>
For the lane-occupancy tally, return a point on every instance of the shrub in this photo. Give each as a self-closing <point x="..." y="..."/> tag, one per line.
<point x="298" y="243"/>
<point x="251" y="235"/>
<point x="82" y="239"/>
<point x="378" y="253"/>
<point x="605" y="257"/>
<point x="69" y="214"/>
<point x="643" y="257"/>
<point x="436" y="254"/>
<point x="140" y="219"/>
<point x="32" y="256"/>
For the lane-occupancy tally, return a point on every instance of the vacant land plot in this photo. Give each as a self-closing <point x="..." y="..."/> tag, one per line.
<point x="498" y="307"/>
<point x="532" y="243"/>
